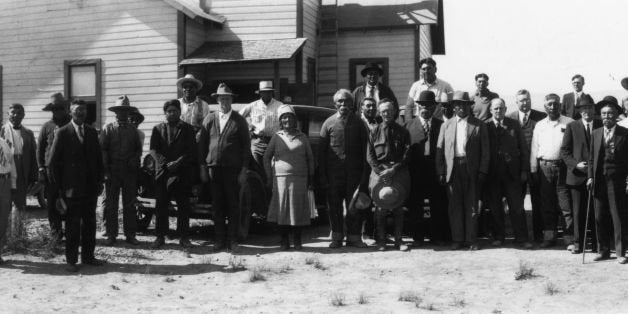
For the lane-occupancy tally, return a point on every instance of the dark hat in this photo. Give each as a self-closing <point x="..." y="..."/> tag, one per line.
<point x="122" y="103"/>
<point x="360" y="200"/>
<point x="609" y="101"/>
<point x="371" y="66"/>
<point x="585" y="100"/>
<point x="189" y="78"/>
<point x="223" y="89"/>
<point x="427" y="98"/>
<point x="461" y="97"/>
<point x="389" y="195"/>
<point x="624" y="83"/>
<point x="136" y="113"/>
<point x="56" y="102"/>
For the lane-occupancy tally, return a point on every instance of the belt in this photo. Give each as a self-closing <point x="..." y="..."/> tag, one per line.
<point x="550" y="161"/>
<point x="5" y="175"/>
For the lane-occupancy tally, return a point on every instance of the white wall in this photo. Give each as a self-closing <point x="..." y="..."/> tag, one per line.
<point x="536" y="44"/>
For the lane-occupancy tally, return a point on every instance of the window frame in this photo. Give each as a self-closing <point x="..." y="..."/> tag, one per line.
<point x="354" y="62"/>
<point x="67" y="82"/>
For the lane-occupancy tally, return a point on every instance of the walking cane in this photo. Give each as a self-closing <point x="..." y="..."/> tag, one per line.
<point x="586" y="224"/>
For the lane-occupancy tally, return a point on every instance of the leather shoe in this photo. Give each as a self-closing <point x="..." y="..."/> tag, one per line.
<point x="219" y="246"/>
<point x="132" y="240"/>
<point x="335" y="244"/>
<point x="527" y="245"/>
<point x="576" y="250"/>
<point x="234" y="247"/>
<point x="381" y="247"/>
<point x="455" y="246"/>
<point x="185" y="243"/>
<point x="110" y="241"/>
<point x="547" y="243"/>
<point x="402" y="247"/>
<point x="601" y="257"/>
<point x="497" y="243"/>
<point x="622" y="260"/>
<point x="159" y="241"/>
<point x="357" y="244"/>
<point x="94" y="262"/>
<point x="71" y="268"/>
<point x="473" y="247"/>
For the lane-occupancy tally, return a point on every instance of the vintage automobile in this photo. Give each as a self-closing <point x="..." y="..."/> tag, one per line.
<point x="254" y="196"/>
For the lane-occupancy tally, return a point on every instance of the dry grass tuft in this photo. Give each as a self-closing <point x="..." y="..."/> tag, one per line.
<point x="410" y="296"/>
<point x="42" y="243"/>
<point x="256" y="274"/>
<point x="362" y="298"/>
<point x="459" y="302"/>
<point x="551" y="288"/>
<point x="337" y="299"/>
<point x="525" y="271"/>
<point x="236" y="263"/>
<point x="314" y="261"/>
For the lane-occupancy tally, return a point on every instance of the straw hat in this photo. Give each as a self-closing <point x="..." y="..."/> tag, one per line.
<point x="189" y="78"/>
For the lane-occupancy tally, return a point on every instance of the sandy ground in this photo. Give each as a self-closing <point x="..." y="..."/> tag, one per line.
<point x="429" y="279"/>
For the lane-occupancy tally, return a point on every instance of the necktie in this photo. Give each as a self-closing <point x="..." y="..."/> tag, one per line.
<point x="588" y="134"/>
<point x="81" y="133"/>
<point x="371" y="92"/>
<point x="607" y="136"/>
<point x="525" y="119"/>
<point x="426" y="127"/>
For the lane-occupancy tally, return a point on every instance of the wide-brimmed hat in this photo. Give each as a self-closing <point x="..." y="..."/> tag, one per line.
<point x="371" y="66"/>
<point x="389" y="195"/>
<point x="265" y="86"/>
<point x="136" y="113"/>
<point x="585" y="100"/>
<point x="609" y="101"/>
<point x="461" y="97"/>
<point x="122" y="103"/>
<point x="427" y="98"/>
<point x="56" y="102"/>
<point x="223" y="89"/>
<point x="283" y="109"/>
<point x="624" y="83"/>
<point x="189" y="78"/>
<point x="360" y="200"/>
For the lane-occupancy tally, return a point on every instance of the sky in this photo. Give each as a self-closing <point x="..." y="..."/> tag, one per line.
<point x="537" y="45"/>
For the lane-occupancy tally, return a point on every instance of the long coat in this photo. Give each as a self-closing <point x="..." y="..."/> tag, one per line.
<point x="528" y="129"/>
<point x="596" y="164"/>
<point x="27" y="171"/>
<point x="230" y="148"/>
<point x="182" y="149"/>
<point x="508" y="146"/>
<point x="576" y="149"/>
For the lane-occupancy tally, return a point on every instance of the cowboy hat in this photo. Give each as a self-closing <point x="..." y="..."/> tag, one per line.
<point x="122" y="103"/>
<point x="426" y="98"/>
<point x="56" y="102"/>
<point x="371" y="66"/>
<point x="585" y="100"/>
<point x="189" y="78"/>
<point x="624" y="83"/>
<point x="136" y="113"/>
<point x="609" y="101"/>
<point x="223" y="89"/>
<point x="265" y="86"/>
<point x="360" y="200"/>
<point x="389" y="195"/>
<point x="462" y="98"/>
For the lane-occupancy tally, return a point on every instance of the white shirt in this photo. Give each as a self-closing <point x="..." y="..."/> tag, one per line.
<point x="7" y="164"/>
<point x="522" y="116"/>
<point x="426" y="150"/>
<point x="623" y="123"/>
<point x="590" y="124"/>
<point x="498" y="123"/>
<point x="13" y="137"/>
<point x="367" y="91"/>
<point x="547" y="139"/>
<point x="223" y="118"/>
<point x="195" y="112"/>
<point x="439" y="87"/>
<point x="609" y="134"/>
<point x="78" y="131"/>
<point x="461" y="137"/>
<point x="263" y="117"/>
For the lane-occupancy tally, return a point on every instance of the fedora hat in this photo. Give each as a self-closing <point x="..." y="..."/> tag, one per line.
<point x="189" y="78"/>
<point x="586" y="100"/>
<point x="360" y="200"/>
<point x="389" y="195"/>
<point x="427" y="98"/>
<point x="56" y="102"/>
<point x="122" y="103"/>
<point x="624" y="83"/>
<point x="136" y="113"/>
<point x="461" y="97"/>
<point x="371" y="66"/>
<point x="265" y="86"/>
<point x="609" y="101"/>
<point x="223" y="89"/>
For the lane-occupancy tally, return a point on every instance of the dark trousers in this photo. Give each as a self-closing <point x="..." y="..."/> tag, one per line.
<point x="504" y="186"/>
<point x="463" y="203"/>
<point x="80" y="228"/>
<point x="125" y="182"/>
<point x="535" y="199"/>
<point x="54" y="218"/>
<point x="341" y="190"/>
<point x="425" y="185"/>
<point x="555" y="200"/>
<point x="610" y="212"/>
<point x="579" y="195"/>
<point x="181" y="197"/>
<point x="380" y="215"/>
<point x="225" y="189"/>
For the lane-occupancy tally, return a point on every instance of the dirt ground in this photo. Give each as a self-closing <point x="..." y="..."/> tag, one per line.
<point x="261" y="279"/>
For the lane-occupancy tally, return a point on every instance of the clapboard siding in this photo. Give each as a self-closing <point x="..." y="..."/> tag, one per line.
<point x="261" y="70"/>
<point x="396" y="45"/>
<point x="136" y="41"/>
<point x="310" y="21"/>
<point x="254" y="19"/>
<point x="195" y="35"/>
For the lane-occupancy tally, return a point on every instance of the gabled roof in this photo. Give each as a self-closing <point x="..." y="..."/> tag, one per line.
<point x="246" y="50"/>
<point x="364" y="14"/>
<point x="192" y="9"/>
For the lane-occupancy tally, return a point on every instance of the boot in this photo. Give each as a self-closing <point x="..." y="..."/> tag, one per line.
<point x="284" y="244"/>
<point x="296" y="233"/>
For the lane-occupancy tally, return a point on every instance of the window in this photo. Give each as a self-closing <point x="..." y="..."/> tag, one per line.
<point x="356" y="66"/>
<point x="83" y="81"/>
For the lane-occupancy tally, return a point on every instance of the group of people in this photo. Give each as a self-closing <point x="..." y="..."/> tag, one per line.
<point x="459" y="152"/>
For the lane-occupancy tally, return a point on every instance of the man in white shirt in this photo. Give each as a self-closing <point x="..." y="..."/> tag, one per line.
<point x="193" y="109"/>
<point x="428" y="81"/>
<point x="549" y="170"/>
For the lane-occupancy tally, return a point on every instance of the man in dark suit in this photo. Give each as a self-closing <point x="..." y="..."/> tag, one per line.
<point x="372" y="87"/>
<point x="575" y="154"/>
<point x="76" y="170"/>
<point x="225" y="148"/>
<point x="509" y="167"/>
<point x="572" y="99"/>
<point x="607" y="177"/>
<point x="173" y="147"/>
<point x="462" y="162"/>
<point x="424" y="179"/>
<point x="528" y="118"/>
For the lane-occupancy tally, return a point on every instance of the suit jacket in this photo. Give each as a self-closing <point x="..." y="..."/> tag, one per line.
<point x="528" y="129"/>
<point x="418" y="138"/>
<point x="182" y="149"/>
<point x="507" y="146"/>
<point x="27" y="171"/>
<point x="477" y="147"/>
<point x="76" y="168"/>
<point x="576" y="149"/>
<point x="384" y="92"/>
<point x="231" y="148"/>
<point x="569" y="106"/>
<point x="596" y="171"/>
